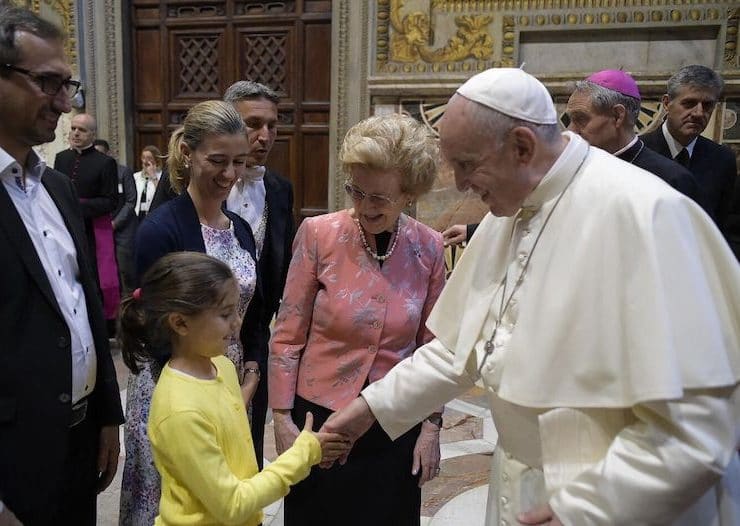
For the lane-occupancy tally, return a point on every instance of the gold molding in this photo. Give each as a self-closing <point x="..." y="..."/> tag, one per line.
<point x="65" y="10"/>
<point x="732" y="39"/>
<point x="404" y="37"/>
<point x="459" y="6"/>
<point x="409" y="48"/>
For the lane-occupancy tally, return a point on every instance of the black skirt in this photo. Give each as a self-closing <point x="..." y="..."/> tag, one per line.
<point x="375" y="487"/>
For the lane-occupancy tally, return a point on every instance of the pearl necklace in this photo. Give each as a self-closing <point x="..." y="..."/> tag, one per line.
<point x="370" y="250"/>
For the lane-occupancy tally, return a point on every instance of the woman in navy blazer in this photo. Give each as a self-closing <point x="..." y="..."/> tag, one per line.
<point x="206" y="156"/>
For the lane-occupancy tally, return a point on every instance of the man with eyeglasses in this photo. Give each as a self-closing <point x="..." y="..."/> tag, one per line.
<point x="59" y="398"/>
<point x="95" y="177"/>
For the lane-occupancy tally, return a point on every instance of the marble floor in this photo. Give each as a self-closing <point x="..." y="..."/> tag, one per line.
<point x="456" y="497"/>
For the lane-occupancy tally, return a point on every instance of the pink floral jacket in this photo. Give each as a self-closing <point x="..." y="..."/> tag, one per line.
<point x="343" y="318"/>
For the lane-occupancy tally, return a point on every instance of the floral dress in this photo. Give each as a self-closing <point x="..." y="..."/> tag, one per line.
<point x="140" y="487"/>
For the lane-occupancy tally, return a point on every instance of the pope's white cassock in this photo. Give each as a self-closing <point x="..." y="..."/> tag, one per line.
<point x="613" y="374"/>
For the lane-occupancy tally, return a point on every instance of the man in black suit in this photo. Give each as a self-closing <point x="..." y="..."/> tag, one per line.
<point x="692" y="95"/>
<point x="265" y="200"/>
<point x="125" y="221"/>
<point x="59" y="400"/>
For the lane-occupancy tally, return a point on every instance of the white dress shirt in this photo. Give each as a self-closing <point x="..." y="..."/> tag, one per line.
<point x="58" y="256"/>
<point x="673" y="145"/>
<point x="140" y="180"/>
<point x="247" y="200"/>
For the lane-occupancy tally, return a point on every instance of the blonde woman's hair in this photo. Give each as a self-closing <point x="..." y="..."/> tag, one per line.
<point x="212" y="117"/>
<point x="393" y="143"/>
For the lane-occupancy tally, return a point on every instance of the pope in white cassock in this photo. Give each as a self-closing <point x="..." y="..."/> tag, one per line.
<point x="600" y="310"/>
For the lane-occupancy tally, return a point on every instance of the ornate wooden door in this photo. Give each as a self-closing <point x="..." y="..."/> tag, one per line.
<point x="187" y="51"/>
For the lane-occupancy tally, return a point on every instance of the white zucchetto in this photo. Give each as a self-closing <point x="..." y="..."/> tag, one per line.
<point x="513" y="92"/>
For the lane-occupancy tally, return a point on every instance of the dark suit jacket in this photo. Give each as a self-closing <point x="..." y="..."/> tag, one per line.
<point x="124" y="216"/>
<point x="274" y="261"/>
<point x="175" y="227"/>
<point x="714" y="168"/>
<point x="36" y="364"/>
<point x="670" y="171"/>
<point x="164" y="191"/>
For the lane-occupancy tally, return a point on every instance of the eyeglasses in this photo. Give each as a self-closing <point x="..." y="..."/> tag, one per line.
<point x="376" y="199"/>
<point x="49" y="84"/>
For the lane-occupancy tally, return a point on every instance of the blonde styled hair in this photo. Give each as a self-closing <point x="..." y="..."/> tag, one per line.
<point x="212" y="117"/>
<point x="393" y="143"/>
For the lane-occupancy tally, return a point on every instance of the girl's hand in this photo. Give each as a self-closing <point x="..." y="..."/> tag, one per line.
<point x="285" y="430"/>
<point x="333" y="445"/>
<point x="251" y="381"/>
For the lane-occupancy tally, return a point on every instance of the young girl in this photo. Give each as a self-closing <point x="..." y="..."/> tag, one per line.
<point x="185" y="313"/>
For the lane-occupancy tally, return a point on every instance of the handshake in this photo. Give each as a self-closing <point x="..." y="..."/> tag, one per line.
<point x="336" y="436"/>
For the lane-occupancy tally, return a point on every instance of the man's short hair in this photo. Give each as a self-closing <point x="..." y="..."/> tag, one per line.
<point x="696" y="76"/>
<point x="14" y="19"/>
<point x="103" y="143"/>
<point x="604" y="99"/>
<point x="250" y="90"/>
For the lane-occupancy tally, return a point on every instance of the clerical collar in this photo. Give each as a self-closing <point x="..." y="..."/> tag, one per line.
<point x="560" y="173"/>
<point x="83" y="151"/>
<point x="632" y="152"/>
<point x="673" y="145"/>
<point x="629" y="145"/>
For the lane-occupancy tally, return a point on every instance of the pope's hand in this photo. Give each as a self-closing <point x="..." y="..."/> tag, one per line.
<point x="540" y="516"/>
<point x="333" y="445"/>
<point x="353" y="421"/>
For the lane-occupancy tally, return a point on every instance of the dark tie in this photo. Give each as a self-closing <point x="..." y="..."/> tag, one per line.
<point x="683" y="158"/>
<point x="142" y="213"/>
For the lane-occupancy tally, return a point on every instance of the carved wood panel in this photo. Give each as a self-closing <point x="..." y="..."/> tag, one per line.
<point x="184" y="52"/>
<point x="196" y="62"/>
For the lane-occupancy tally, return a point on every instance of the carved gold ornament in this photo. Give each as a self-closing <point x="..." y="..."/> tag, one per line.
<point x="413" y="32"/>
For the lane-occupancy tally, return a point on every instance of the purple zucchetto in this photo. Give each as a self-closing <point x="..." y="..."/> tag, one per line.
<point x="616" y="80"/>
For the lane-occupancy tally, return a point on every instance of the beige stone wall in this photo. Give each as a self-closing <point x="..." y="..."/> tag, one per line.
<point x="410" y="55"/>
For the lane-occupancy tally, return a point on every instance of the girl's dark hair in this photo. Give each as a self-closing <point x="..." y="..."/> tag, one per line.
<point x="183" y="282"/>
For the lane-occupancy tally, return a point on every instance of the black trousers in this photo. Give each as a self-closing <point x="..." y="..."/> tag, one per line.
<point x="259" y="411"/>
<point x="78" y="491"/>
<point x="375" y="487"/>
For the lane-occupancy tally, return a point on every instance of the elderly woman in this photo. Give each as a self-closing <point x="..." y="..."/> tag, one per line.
<point x="206" y="156"/>
<point x="360" y="286"/>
